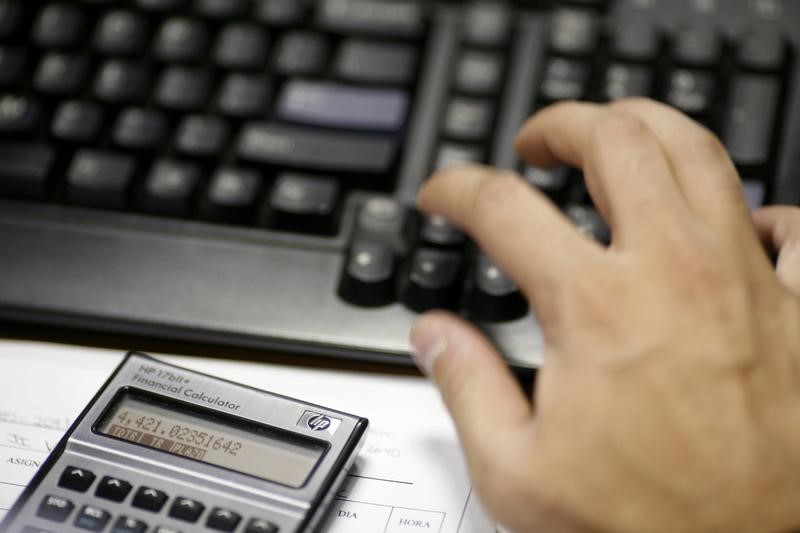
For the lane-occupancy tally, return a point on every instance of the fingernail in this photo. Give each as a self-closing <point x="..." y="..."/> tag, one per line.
<point x="427" y="344"/>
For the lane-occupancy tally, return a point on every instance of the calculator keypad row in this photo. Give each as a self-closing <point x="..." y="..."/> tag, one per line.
<point x="95" y="518"/>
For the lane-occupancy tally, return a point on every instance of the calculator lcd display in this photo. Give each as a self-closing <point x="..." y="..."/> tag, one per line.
<point x="251" y="449"/>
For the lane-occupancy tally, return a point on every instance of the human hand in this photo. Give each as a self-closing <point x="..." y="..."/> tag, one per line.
<point x="669" y="399"/>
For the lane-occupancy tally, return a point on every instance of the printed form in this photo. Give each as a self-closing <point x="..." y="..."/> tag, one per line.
<point x="410" y="475"/>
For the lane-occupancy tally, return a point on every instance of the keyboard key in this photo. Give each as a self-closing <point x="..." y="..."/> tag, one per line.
<point x="55" y="508"/>
<point x="339" y="106"/>
<point x="120" y="32"/>
<point x="111" y="488"/>
<point x="434" y="280"/>
<point x="61" y="74"/>
<point x="19" y="115"/>
<point x="487" y="24"/>
<point x="92" y="518"/>
<point x="256" y="525"/>
<point x="691" y="91"/>
<point x="303" y="203"/>
<point x="754" y="192"/>
<point x="162" y="5"/>
<point x="220" y="9"/>
<point x="438" y="231"/>
<point x="281" y="13"/>
<point x="589" y="222"/>
<point x="11" y="14"/>
<point x="170" y="188"/>
<point x="99" y="179"/>
<point x="301" y="53"/>
<point x="478" y="73"/>
<point x="12" y="66"/>
<point x="140" y="129"/>
<point x="201" y="136"/>
<point x="24" y="169"/>
<point x="77" y="121"/>
<point x="574" y="32"/>
<point x="452" y="154"/>
<point x="333" y="151"/>
<point x="493" y="296"/>
<point x="383" y="220"/>
<point x="382" y="18"/>
<point x="624" y="81"/>
<point x="697" y="44"/>
<point x="368" y="281"/>
<point x="223" y="519"/>
<point x="77" y="479"/>
<point x="126" y="524"/>
<point x="122" y="82"/>
<point x="564" y="79"/>
<point x="244" y="96"/>
<point x="181" y="40"/>
<point x="636" y="39"/>
<point x="231" y="196"/>
<point x="468" y="119"/>
<point x="59" y="26"/>
<point x="183" y="88"/>
<point x="374" y="62"/>
<point x="149" y="499"/>
<point x="762" y="48"/>
<point x="750" y="119"/>
<point x="186" y="509"/>
<point x="554" y="182"/>
<point x="241" y="46"/>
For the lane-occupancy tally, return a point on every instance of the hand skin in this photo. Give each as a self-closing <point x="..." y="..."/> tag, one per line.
<point x="669" y="399"/>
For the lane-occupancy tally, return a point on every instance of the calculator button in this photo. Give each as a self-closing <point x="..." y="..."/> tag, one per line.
<point x="186" y="509"/>
<point x="149" y="499"/>
<point x="223" y="519"/>
<point x="126" y="524"/>
<point x="55" y="508"/>
<point x="164" y="529"/>
<point x="257" y="525"/>
<point x="92" y="518"/>
<point x="113" y="489"/>
<point x="75" y="478"/>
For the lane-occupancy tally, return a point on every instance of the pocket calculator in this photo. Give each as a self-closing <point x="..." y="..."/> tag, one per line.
<point x="162" y="449"/>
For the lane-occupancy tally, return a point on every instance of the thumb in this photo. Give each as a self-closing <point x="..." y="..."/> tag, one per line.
<point x="779" y="227"/>
<point x="477" y="386"/>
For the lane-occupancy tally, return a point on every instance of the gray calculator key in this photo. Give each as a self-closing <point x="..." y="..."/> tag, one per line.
<point x="55" y="508"/>
<point x="92" y="518"/>
<point x="340" y="106"/>
<point x="373" y="62"/>
<point x="752" y="109"/>
<point x="126" y="524"/>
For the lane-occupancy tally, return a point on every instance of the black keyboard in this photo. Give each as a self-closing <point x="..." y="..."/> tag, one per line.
<point x="243" y="172"/>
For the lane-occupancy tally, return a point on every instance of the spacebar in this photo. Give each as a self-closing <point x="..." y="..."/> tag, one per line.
<point x="275" y="144"/>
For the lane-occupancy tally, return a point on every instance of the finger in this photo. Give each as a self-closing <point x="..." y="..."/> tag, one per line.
<point x="529" y="238"/>
<point x="477" y="387"/>
<point x="701" y="165"/>
<point x="779" y="228"/>
<point x="626" y="170"/>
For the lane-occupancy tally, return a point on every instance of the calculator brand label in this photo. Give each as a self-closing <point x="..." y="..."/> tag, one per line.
<point x="319" y="422"/>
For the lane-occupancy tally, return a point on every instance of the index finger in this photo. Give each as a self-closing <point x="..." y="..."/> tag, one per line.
<point x="526" y="234"/>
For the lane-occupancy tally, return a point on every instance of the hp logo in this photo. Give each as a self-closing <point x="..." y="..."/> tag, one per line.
<point x="318" y="422"/>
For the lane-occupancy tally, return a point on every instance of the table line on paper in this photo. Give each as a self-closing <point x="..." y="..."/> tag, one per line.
<point x="382" y="479"/>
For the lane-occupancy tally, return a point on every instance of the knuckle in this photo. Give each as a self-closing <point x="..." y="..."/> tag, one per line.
<point x="708" y="145"/>
<point x="495" y="193"/>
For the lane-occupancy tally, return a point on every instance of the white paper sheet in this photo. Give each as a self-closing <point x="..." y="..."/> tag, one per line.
<point x="410" y="475"/>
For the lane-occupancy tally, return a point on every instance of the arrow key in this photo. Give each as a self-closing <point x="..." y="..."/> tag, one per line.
<point x="74" y="478"/>
<point x="223" y="519"/>
<point x="186" y="509"/>
<point x="149" y="499"/>
<point x="113" y="489"/>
